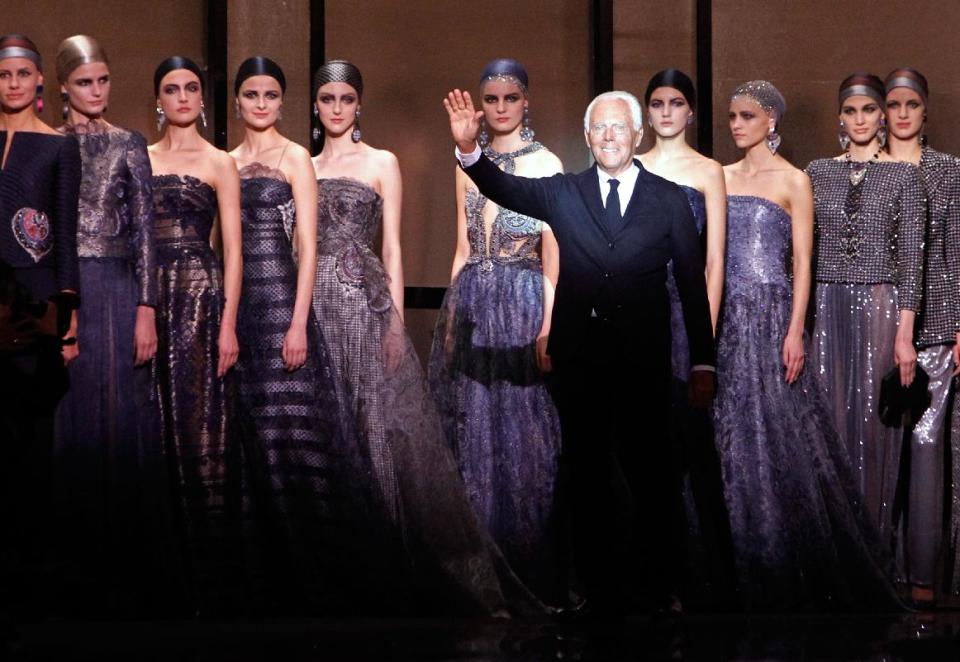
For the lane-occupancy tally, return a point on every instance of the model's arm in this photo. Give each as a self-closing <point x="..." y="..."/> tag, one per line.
<point x="550" y="257"/>
<point x="66" y="208"/>
<point x="143" y="245"/>
<point x="462" y="251"/>
<point x="688" y="273"/>
<point x="391" y="190"/>
<point x="910" y="236"/>
<point x="715" y="196"/>
<point x="228" y="203"/>
<point x="299" y="173"/>
<point x="550" y="260"/>
<point x="801" y="212"/>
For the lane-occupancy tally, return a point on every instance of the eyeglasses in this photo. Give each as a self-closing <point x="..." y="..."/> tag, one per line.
<point x="619" y="129"/>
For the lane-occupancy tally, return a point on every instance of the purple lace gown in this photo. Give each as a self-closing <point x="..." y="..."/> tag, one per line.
<point x="195" y="404"/>
<point x="801" y="537"/>
<point x="452" y="561"/>
<point x="498" y="416"/>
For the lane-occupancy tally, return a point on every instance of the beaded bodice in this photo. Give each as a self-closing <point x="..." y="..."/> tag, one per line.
<point x="871" y="231"/>
<point x="184" y="209"/>
<point x="759" y="244"/>
<point x="512" y="237"/>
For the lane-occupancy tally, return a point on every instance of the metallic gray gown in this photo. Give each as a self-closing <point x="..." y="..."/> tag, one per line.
<point x="383" y="391"/>
<point x="869" y="263"/>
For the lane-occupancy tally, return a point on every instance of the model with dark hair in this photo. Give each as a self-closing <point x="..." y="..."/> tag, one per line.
<point x="489" y="344"/>
<point x="193" y="182"/>
<point x="307" y="505"/>
<point x="358" y="301"/>
<point x="671" y="103"/>
<point x="938" y="327"/>
<point x="870" y="223"/>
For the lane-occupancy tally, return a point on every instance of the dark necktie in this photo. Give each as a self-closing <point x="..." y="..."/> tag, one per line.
<point x="614" y="218"/>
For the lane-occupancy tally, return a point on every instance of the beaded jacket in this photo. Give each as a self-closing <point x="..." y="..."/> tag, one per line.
<point x="873" y="231"/>
<point x="939" y="318"/>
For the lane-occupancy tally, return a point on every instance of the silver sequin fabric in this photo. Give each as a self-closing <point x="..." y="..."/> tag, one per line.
<point x="882" y="240"/>
<point x="939" y="318"/>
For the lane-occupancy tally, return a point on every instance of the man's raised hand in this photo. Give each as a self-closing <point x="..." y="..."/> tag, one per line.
<point x="464" y="120"/>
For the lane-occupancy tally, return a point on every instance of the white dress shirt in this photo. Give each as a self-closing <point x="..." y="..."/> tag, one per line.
<point x="627" y="179"/>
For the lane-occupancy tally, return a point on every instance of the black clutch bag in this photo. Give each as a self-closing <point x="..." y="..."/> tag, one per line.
<point x="897" y="401"/>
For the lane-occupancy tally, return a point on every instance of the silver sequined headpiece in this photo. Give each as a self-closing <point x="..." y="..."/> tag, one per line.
<point x="910" y="83"/>
<point x="506" y="70"/>
<point x="764" y="94"/>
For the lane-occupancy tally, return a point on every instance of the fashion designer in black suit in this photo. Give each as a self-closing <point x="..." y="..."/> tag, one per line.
<point x="617" y="226"/>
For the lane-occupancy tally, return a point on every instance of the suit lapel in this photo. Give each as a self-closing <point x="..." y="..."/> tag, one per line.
<point x="590" y="192"/>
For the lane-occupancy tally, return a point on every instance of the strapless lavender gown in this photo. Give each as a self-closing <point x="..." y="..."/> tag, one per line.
<point x="801" y="536"/>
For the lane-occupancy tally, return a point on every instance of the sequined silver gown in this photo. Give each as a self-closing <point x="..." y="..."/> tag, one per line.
<point x="384" y="392"/>
<point x="196" y="416"/>
<point x="499" y="418"/>
<point x="868" y="267"/>
<point x="802" y="539"/>
<point x="931" y="444"/>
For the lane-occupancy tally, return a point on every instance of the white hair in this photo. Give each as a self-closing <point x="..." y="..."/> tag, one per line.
<point x="617" y="95"/>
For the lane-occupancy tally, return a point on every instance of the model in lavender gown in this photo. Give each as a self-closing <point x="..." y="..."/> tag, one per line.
<point x="357" y="299"/>
<point x="498" y="416"/>
<point x="802" y="539"/>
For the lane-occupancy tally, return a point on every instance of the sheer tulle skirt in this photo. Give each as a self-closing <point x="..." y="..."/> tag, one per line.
<point x="801" y="537"/>
<point x="107" y="459"/>
<point x="498" y="416"/>
<point x="450" y="560"/>
<point x="853" y="344"/>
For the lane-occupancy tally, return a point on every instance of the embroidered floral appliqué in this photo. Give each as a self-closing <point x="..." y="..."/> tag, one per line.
<point x="32" y="230"/>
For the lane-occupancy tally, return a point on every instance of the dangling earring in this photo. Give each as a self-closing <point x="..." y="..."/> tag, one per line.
<point x="483" y="138"/>
<point x="161" y="118"/>
<point x="882" y="132"/>
<point x="315" y="132"/>
<point x="279" y="113"/>
<point x="236" y="108"/>
<point x="844" y="137"/>
<point x="203" y="117"/>
<point x="65" y="98"/>
<point x="526" y="133"/>
<point x="40" y="98"/>
<point x="690" y="119"/>
<point x="356" y="134"/>
<point x="773" y="140"/>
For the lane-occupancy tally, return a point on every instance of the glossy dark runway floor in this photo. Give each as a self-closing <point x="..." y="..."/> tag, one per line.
<point x="933" y="636"/>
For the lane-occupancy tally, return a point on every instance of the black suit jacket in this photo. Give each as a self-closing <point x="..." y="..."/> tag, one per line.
<point x="618" y="275"/>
